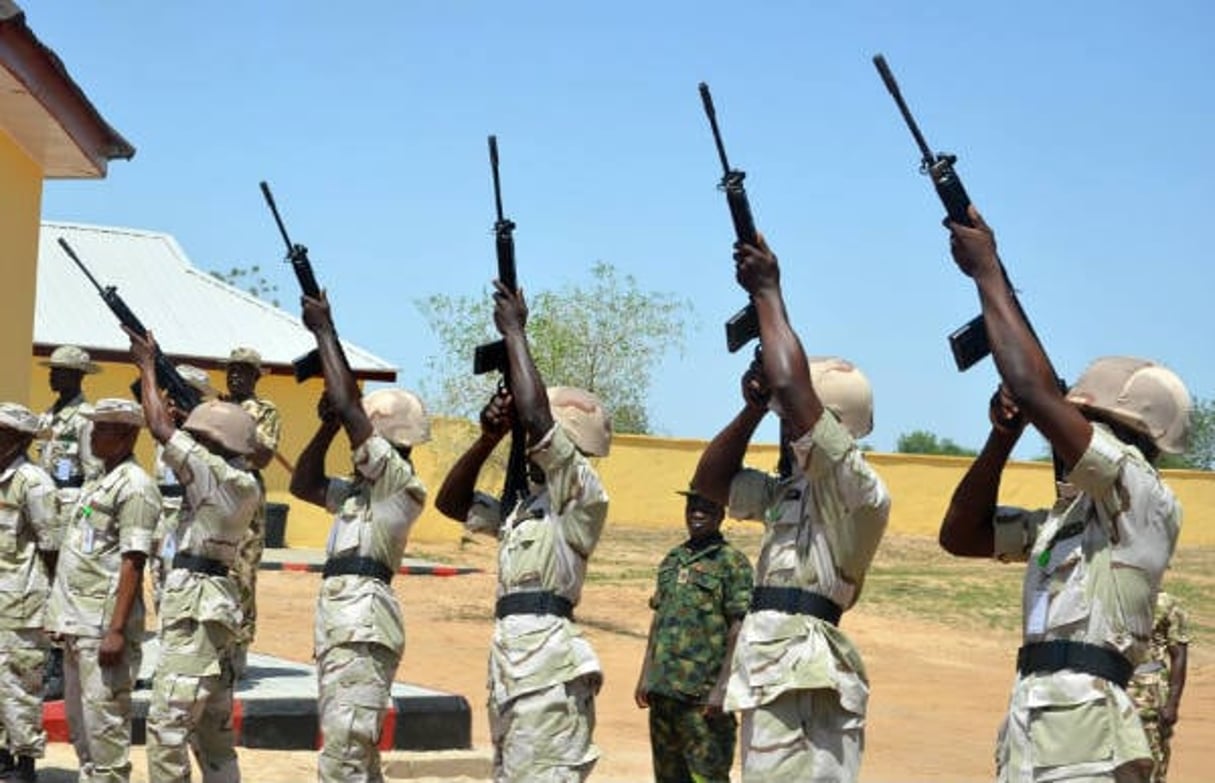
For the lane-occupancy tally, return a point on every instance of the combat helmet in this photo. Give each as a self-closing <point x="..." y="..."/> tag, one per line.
<point x="583" y="418"/>
<point x="1140" y="394"/>
<point x="398" y="416"/>
<point x="845" y="391"/>
<point x="226" y="423"/>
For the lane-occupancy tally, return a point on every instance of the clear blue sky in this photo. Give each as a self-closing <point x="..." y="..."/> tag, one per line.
<point x="1084" y="132"/>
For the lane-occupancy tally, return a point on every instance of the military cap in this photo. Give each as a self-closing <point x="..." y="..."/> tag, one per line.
<point x="116" y="411"/>
<point x="246" y="355"/>
<point x="20" y="418"/>
<point x="71" y="357"/>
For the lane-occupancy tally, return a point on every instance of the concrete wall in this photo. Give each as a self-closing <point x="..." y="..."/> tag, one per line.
<point x="21" y="194"/>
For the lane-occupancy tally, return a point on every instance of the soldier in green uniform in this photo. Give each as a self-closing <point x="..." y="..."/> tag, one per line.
<point x="244" y="370"/>
<point x="29" y="543"/>
<point x="1157" y="684"/>
<point x="704" y="588"/>
<point x="96" y="604"/>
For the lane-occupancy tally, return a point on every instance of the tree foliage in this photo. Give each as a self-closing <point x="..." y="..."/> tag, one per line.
<point x="605" y="336"/>
<point x="251" y="280"/>
<point x="1201" y="453"/>
<point x="924" y="442"/>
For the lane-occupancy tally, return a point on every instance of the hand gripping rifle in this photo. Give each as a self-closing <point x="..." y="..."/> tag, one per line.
<point x="308" y="365"/>
<point x="743" y="326"/>
<point x="185" y="397"/>
<point x="970" y="342"/>
<point x="492" y="356"/>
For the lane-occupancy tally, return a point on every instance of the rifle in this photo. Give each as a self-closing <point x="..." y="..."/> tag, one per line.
<point x="968" y="343"/>
<point x="185" y="397"/>
<point x="743" y="326"/>
<point x="308" y="365"/>
<point x="492" y="356"/>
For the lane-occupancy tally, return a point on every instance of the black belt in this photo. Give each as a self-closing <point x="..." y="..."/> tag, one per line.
<point x="534" y="602"/>
<point x="357" y="566"/>
<point x="1060" y="654"/>
<point x="71" y="483"/>
<point x="792" y="600"/>
<point x="172" y="490"/>
<point x="199" y="565"/>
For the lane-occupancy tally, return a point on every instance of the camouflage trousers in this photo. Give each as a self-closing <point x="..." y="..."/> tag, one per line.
<point x="244" y="572"/>
<point x="22" y="653"/>
<point x="802" y="735"/>
<point x="355" y="684"/>
<point x="545" y="736"/>
<point x="1150" y="692"/>
<point x="686" y="745"/>
<point x="191" y="711"/>
<point x="97" y="701"/>
<point x="166" y="526"/>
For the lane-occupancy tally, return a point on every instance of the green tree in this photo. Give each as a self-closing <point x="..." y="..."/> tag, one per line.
<point x="1201" y="453"/>
<point x="251" y="280"/>
<point x="605" y="336"/>
<point x="924" y="442"/>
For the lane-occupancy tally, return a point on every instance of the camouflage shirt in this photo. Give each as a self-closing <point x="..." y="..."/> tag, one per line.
<point x="27" y="524"/>
<point x="702" y="590"/>
<point x="1170" y="629"/>
<point x="64" y="450"/>
<point x="269" y="423"/>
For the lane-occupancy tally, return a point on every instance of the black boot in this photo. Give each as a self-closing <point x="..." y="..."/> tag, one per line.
<point x="7" y="764"/>
<point x="25" y="770"/>
<point x="52" y="675"/>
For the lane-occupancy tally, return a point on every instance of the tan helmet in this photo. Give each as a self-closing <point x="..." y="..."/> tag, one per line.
<point x="845" y="391"/>
<point x="226" y="423"/>
<point x="398" y="416"/>
<point x="1141" y="394"/>
<point x="116" y="411"/>
<point x="583" y="418"/>
<point x="71" y="357"/>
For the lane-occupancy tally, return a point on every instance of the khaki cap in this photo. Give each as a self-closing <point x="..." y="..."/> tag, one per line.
<point x="398" y="416"/>
<point x="583" y="418"/>
<point x="245" y="355"/>
<point x="226" y="423"/>
<point x="71" y="357"/>
<point x="19" y="418"/>
<point x="1138" y="393"/>
<point x="116" y="411"/>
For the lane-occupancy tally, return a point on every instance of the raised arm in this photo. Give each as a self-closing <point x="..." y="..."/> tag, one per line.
<point x="456" y="495"/>
<point x="340" y="386"/>
<point x="526" y="385"/>
<point x="784" y="360"/>
<point x="723" y="457"/>
<point x="155" y="412"/>
<point x="308" y="480"/>
<point x="1024" y="368"/>
<point x="967" y="529"/>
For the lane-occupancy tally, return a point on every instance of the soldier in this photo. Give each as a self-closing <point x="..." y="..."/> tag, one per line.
<point x="1095" y="559"/>
<point x="244" y="370"/>
<point x="359" y="634"/>
<point x="704" y="588"/>
<point x="1158" y="682"/>
<point x="28" y="528"/>
<point x="798" y="680"/>
<point x="191" y="703"/>
<point x="543" y="674"/>
<point x="64" y="452"/>
<point x="96" y="604"/>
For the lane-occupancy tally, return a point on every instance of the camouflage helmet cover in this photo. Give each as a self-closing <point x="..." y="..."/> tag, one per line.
<point x="1140" y="394"/>
<point x="398" y="416"/>
<point x="226" y="423"/>
<point x="583" y="418"/>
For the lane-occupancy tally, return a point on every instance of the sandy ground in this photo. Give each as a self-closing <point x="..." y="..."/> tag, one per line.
<point x="938" y="690"/>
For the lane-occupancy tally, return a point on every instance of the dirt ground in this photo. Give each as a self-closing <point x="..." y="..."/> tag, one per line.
<point x="938" y="688"/>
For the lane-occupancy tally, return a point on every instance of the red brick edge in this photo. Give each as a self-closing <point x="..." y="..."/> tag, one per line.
<point x="405" y="570"/>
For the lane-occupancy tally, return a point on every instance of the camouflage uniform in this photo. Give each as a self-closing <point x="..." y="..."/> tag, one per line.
<point x="199" y="617"/>
<point x="28" y="524"/>
<point x="1094" y="564"/>
<point x="115" y="515"/>
<point x="171" y="492"/>
<point x="359" y="633"/>
<point x="1149" y="688"/>
<point x="798" y="679"/>
<point x="249" y="556"/>
<point x="64" y="452"/>
<point x="543" y="674"/>
<point x="703" y="588"/>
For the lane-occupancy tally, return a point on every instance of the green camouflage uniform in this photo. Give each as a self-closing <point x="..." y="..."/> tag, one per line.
<point x="1149" y="688"/>
<point x="199" y="618"/>
<point x="249" y="556"/>
<point x="1094" y="565"/>
<point x="116" y="514"/>
<point x="797" y="679"/>
<point x="703" y="588"/>
<point x="359" y="634"/>
<point x="543" y="674"/>
<point x="28" y="524"/>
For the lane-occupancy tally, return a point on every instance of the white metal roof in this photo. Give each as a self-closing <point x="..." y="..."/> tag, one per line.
<point x="192" y="313"/>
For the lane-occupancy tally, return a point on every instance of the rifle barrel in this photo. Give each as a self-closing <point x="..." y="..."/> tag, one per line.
<point x="892" y="86"/>
<point x="707" y="99"/>
<point x="282" y="229"/>
<point x="493" y="162"/>
<point x="63" y="243"/>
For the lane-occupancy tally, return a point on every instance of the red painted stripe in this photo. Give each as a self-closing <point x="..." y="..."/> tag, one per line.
<point x="303" y="567"/>
<point x="54" y="720"/>
<point x="238" y="720"/>
<point x="388" y="730"/>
